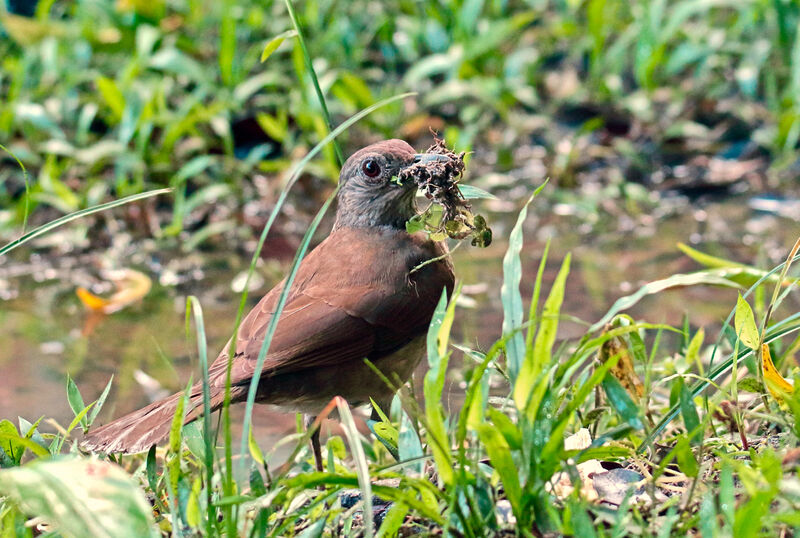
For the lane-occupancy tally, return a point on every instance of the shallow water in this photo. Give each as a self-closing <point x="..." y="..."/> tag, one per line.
<point x="45" y="336"/>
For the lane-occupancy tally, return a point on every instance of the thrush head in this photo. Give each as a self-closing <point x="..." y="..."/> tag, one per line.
<point x="370" y="192"/>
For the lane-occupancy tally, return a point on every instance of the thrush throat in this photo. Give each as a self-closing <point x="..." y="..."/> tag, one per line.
<point x="385" y="209"/>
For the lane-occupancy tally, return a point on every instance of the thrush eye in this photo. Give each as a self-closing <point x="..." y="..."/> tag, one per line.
<point x="371" y="168"/>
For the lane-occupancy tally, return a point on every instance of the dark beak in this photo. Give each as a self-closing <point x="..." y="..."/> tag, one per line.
<point x="430" y="158"/>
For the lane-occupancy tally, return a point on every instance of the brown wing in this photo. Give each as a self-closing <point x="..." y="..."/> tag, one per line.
<point x="338" y="311"/>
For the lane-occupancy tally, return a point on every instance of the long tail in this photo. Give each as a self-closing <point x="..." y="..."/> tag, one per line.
<point x="139" y="430"/>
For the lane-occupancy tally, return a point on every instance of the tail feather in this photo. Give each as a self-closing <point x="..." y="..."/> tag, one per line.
<point x="138" y="431"/>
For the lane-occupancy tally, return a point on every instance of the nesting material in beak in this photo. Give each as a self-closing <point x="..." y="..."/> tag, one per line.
<point x="436" y="174"/>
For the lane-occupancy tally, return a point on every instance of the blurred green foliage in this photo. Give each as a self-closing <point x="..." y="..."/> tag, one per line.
<point x="113" y="98"/>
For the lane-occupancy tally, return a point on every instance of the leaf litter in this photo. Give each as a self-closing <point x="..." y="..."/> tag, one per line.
<point x="449" y="214"/>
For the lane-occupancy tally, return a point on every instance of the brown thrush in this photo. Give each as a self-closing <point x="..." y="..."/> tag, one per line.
<point x="355" y="297"/>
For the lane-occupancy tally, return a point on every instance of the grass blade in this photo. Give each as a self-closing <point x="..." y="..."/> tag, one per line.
<point x="433" y="385"/>
<point x="362" y="469"/>
<point x="202" y="351"/>
<point x="276" y="42"/>
<point x="315" y="82"/>
<point x="45" y="228"/>
<point x="657" y="286"/>
<point x="26" y="209"/>
<point x="509" y="293"/>
<point x="541" y="355"/>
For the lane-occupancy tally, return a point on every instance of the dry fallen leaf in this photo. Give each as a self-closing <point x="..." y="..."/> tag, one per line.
<point x="623" y="370"/>
<point x="562" y="485"/>
<point x="131" y="286"/>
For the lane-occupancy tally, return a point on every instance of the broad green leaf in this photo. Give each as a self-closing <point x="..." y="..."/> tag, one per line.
<point x="14" y="445"/>
<point x="476" y="399"/>
<point x="255" y="450"/>
<point x="434" y="384"/>
<point x="172" y="60"/>
<point x="80" y="497"/>
<point x="443" y="333"/>
<point x="387" y="432"/>
<point x="227" y="45"/>
<point x="727" y="493"/>
<point x="150" y="469"/>
<point x="393" y="521"/>
<point x="192" y="169"/>
<point x="335" y="445"/>
<point x="534" y="306"/>
<point x="193" y="504"/>
<point x="31" y="431"/>
<point x="275" y="126"/>
<point x="745" y="324"/>
<point x="75" y="399"/>
<point x="582" y="523"/>
<point x="686" y="459"/>
<point x="693" y="349"/>
<point x="112" y="95"/>
<point x="415" y="224"/>
<point x="387" y="435"/>
<point x="748" y="516"/>
<point x="173" y="460"/>
<point x="538" y="360"/>
<point x="500" y="455"/>
<point x="98" y="405"/>
<point x="621" y="401"/>
<point x="708" y="523"/>
<point x="177" y="423"/>
<point x="193" y="439"/>
<point x="257" y="485"/>
<point x="80" y="417"/>
<point x="408" y="444"/>
<point x="378" y="410"/>
<point x="510" y="296"/>
<point x="506" y="427"/>
<point x="273" y="44"/>
<point x="691" y="420"/>
<point x="314" y="530"/>
<point x="470" y="192"/>
<point x="353" y="90"/>
<point x="750" y="384"/>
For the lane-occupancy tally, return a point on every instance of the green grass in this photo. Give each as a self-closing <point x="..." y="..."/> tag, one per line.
<point x="507" y="448"/>
<point x="506" y="445"/>
<point x="527" y="392"/>
<point x="99" y="100"/>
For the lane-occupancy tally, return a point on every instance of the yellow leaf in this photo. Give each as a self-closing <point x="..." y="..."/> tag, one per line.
<point x="131" y="286"/>
<point x="775" y="382"/>
<point x="90" y="300"/>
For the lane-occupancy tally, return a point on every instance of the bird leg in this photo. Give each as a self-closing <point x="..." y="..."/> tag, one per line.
<point x="315" y="446"/>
